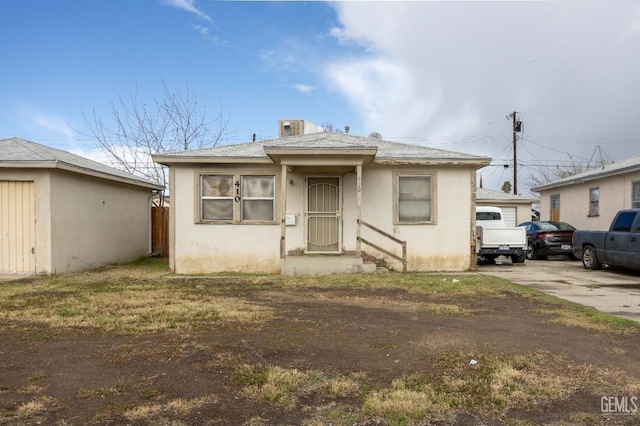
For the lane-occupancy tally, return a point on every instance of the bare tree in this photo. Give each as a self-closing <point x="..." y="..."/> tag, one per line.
<point x="545" y="175"/>
<point x="174" y="123"/>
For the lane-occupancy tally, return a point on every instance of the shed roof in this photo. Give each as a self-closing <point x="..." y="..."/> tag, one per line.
<point x="626" y="166"/>
<point x="484" y="194"/>
<point x="386" y="151"/>
<point x="21" y="153"/>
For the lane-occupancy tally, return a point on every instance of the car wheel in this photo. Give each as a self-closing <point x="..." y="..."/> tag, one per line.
<point x="530" y="254"/>
<point x="590" y="259"/>
<point x="518" y="259"/>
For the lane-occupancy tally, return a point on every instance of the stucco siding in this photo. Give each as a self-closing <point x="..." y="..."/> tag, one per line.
<point x="96" y="222"/>
<point x="443" y="245"/>
<point x="211" y="247"/>
<point x="615" y="194"/>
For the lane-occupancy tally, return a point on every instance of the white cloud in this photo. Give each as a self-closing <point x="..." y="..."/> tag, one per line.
<point x="50" y="124"/>
<point x="95" y="154"/>
<point x="448" y="73"/>
<point x="304" y="88"/>
<point x="187" y="5"/>
<point x="202" y="30"/>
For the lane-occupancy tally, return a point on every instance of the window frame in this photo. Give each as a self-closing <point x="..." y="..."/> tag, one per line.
<point x="427" y="174"/>
<point x="237" y="199"/>
<point x="202" y="197"/>
<point x="594" y="205"/>
<point x="243" y="198"/>
<point x="635" y="203"/>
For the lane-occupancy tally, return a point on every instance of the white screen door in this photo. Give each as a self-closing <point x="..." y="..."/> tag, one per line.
<point x="323" y="214"/>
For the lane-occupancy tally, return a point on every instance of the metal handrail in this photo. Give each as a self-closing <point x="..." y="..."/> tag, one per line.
<point x="402" y="259"/>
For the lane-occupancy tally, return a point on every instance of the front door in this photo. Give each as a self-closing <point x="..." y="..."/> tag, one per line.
<point x="323" y="214"/>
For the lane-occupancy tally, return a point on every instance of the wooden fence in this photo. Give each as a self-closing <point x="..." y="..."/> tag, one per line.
<point x="160" y="231"/>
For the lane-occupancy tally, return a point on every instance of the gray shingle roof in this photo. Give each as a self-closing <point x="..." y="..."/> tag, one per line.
<point x="17" y="151"/>
<point x="387" y="150"/>
<point x="489" y="194"/>
<point x="626" y="166"/>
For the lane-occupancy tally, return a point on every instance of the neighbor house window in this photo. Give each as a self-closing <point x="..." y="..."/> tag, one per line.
<point x="258" y="198"/>
<point x="414" y="199"/>
<point x="635" y="195"/>
<point x="555" y="207"/>
<point x="237" y="198"/>
<point x="594" y="202"/>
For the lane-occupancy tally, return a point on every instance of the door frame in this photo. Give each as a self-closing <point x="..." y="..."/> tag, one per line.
<point x="338" y="213"/>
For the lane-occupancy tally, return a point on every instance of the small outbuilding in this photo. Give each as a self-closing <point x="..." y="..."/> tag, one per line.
<point x="60" y="212"/>
<point x="516" y="209"/>
<point x="320" y="203"/>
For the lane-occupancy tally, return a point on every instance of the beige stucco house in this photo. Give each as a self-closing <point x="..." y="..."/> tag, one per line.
<point x="310" y="203"/>
<point x="60" y="212"/>
<point x="515" y="208"/>
<point x="590" y="200"/>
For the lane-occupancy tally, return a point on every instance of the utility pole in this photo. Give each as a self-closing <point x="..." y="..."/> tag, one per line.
<point x="517" y="127"/>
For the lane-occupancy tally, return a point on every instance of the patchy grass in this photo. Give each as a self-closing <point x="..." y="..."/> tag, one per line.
<point x="284" y="387"/>
<point x="128" y="300"/>
<point x="146" y="302"/>
<point x="116" y="389"/>
<point x="143" y="297"/>
<point x="494" y="386"/>
<point x="181" y="407"/>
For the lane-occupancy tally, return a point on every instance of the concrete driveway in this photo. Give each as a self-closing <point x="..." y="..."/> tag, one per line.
<point x="616" y="291"/>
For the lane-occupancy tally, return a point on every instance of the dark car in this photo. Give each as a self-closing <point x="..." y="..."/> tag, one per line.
<point x="549" y="238"/>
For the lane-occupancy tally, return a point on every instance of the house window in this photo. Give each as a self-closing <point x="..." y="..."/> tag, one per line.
<point x="414" y="201"/>
<point x="635" y="195"/>
<point x="258" y="198"/>
<point x="217" y="197"/>
<point x="594" y="202"/>
<point x="555" y="207"/>
<point x="233" y="198"/>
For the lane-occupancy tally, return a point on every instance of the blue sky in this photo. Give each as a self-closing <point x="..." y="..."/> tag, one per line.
<point x="438" y="73"/>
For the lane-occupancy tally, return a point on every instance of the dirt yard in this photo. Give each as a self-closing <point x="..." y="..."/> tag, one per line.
<point x="327" y="354"/>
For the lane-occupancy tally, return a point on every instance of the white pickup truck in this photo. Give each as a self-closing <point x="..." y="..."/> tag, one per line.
<point x="495" y="239"/>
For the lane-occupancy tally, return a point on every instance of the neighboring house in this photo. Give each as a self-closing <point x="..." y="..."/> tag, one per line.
<point x="299" y="205"/>
<point x="60" y="212"/>
<point x="591" y="199"/>
<point x="515" y="208"/>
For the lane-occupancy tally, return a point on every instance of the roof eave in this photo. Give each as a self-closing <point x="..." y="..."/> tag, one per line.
<point x="61" y="165"/>
<point x="588" y="178"/>
<point x="319" y="155"/>
<point x="168" y="160"/>
<point x="477" y="162"/>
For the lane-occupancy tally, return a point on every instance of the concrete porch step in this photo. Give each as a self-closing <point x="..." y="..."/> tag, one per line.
<point x="325" y="264"/>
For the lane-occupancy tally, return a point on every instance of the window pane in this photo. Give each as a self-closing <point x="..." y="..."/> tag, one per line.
<point x="217" y="209"/>
<point x="624" y="221"/>
<point x="415" y="188"/>
<point x="217" y="186"/>
<point x="257" y="210"/>
<point x="414" y="199"/>
<point x="414" y="211"/>
<point x="257" y="186"/>
<point x="635" y="196"/>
